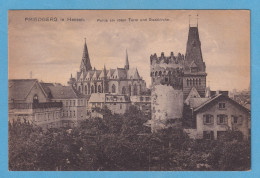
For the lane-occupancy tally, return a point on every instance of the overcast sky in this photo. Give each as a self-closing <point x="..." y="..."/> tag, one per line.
<point x="53" y="50"/>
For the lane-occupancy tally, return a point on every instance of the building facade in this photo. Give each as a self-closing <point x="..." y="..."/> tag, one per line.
<point x="29" y="102"/>
<point x="218" y="115"/>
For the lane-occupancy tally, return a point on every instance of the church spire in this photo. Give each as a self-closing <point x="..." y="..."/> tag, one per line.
<point x="193" y="49"/>
<point x="85" y="63"/>
<point x="126" y="61"/>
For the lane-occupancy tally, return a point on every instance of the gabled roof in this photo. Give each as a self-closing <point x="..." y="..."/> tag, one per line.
<point x="121" y="73"/>
<point x="216" y="99"/>
<point x="90" y="74"/>
<point x="133" y="74"/>
<point x="64" y="92"/>
<point x="193" y="94"/>
<point x="18" y="89"/>
<point x="46" y="88"/>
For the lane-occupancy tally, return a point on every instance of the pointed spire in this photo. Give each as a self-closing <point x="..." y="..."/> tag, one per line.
<point x="126" y="61"/>
<point x="85" y="63"/>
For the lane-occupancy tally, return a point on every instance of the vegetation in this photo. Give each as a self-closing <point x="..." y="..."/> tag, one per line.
<point x="121" y="142"/>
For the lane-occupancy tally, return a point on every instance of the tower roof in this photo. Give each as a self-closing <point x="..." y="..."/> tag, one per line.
<point x="193" y="50"/>
<point x="85" y="63"/>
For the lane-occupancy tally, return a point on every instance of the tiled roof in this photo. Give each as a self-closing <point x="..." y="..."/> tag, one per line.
<point x="64" y="92"/>
<point x="18" y="89"/>
<point x="216" y="99"/>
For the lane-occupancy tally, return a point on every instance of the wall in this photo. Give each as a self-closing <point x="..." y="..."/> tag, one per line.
<point x="230" y="110"/>
<point x="166" y="103"/>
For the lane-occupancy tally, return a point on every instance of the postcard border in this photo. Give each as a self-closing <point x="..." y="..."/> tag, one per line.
<point x="253" y="6"/>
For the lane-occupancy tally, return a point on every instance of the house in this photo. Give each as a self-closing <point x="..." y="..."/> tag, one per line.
<point x="29" y="102"/>
<point x="216" y="115"/>
<point x="73" y="104"/>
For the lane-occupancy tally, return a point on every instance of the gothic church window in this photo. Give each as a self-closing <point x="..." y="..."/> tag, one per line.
<point x="155" y="73"/>
<point x="199" y="81"/>
<point x="99" y="89"/>
<point x="92" y="89"/>
<point x="86" y="89"/>
<point x="113" y="88"/>
<point x="135" y="89"/>
<point x="160" y="73"/>
<point x="123" y="91"/>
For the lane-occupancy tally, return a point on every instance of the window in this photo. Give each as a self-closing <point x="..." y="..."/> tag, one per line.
<point x="141" y="98"/>
<point x="113" y="88"/>
<point x="99" y="89"/>
<point x="74" y="113"/>
<point x="222" y="119"/>
<point x="120" y="106"/>
<point x="35" y="99"/>
<point x="237" y="119"/>
<point x="222" y="105"/>
<point x="123" y="91"/>
<point x="199" y="82"/>
<point x="92" y="89"/>
<point x="208" y="135"/>
<point x="208" y="119"/>
<point x="221" y="134"/>
<point x="73" y="102"/>
<point x="166" y="79"/>
<point x="67" y="103"/>
<point x="135" y="90"/>
<point x="188" y="82"/>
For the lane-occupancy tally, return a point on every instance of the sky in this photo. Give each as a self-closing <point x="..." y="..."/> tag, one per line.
<point x="52" y="50"/>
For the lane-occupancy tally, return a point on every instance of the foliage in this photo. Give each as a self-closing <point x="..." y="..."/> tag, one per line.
<point x="121" y="142"/>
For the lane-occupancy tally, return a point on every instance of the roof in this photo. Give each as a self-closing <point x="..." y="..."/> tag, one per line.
<point x="46" y="88"/>
<point x="64" y="92"/>
<point x="217" y="98"/>
<point x="18" y="89"/>
<point x="133" y="74"/>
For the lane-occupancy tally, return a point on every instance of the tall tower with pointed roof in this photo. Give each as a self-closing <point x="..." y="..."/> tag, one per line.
<point x="194" y="66"/>
<point x="85" y="62"/>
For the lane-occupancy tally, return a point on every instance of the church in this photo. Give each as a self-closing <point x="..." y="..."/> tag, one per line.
<point x="98" y="86"/>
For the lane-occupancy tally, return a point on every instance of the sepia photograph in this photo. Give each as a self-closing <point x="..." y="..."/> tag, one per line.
<point x="129" y="90"/>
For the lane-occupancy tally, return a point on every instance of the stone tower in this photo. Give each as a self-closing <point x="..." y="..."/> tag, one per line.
<point x="166" y="91"/>
<point x="194" y="67"/>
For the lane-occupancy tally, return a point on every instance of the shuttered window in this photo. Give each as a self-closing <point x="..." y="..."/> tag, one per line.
<point x="208" y="119"/>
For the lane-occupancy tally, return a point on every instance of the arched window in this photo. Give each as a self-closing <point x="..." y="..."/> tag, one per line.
<point x="95" y="88"/>
<point x="160" y="73"/>
<point x="123" y="91"/>
<point x="79" y="89"/>
<point x="169" y="73"/>
<point x="135" y="89"/>
<point x="199" y="82"/>
<point x="196" y="81"/>
<point x="92" y="89"/>
<point x="113" y="88"/>
<point x="193" y="82"/>
<point x="86" y="89"/>
<point x="99" y="89"/>
<point x="156" y="74"/>
<point x="35" y="99"/>
<point x="130" y="90"/>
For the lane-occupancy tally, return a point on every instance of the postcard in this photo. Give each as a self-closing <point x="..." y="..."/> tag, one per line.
<point x="129" y="90"/>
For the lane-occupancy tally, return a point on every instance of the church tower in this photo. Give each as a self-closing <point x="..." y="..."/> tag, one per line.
<point x="194" y="66"/>
<point x="85" y="62"/>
